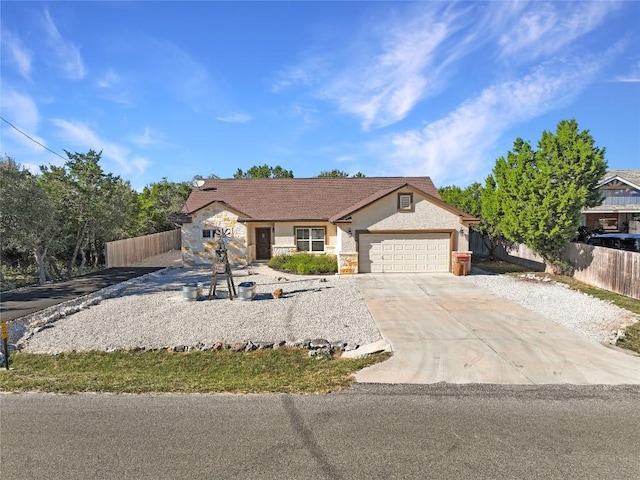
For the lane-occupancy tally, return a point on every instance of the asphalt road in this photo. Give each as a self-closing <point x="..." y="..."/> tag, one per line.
<point x="369" y="432"/>
<point x="28" y="300"/>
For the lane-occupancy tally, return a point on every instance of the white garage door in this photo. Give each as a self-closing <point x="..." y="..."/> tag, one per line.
<point x="404" y="252"/>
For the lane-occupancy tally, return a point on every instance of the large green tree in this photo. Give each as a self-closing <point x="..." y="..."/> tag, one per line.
<point x="264" y="171"/>
<point x="540" y="193"/>
<point x="466" y="199"/>
<point x="479" y="201"/>
<point x="28" y="223"/>
<point x="159" y="205"/>
<point x="92" y="207"/>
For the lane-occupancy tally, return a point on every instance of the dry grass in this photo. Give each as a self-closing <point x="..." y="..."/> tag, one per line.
<point x="284" y="370"/>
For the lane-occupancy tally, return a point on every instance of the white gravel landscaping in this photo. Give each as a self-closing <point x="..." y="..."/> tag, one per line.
<point x="152" y="314"/>
<point x="586" y="315"/>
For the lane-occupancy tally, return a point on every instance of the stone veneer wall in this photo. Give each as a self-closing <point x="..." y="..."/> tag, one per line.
<point x="283" y="250"/>
<point x="347" y="263"/>
<point x="198" y="250"/>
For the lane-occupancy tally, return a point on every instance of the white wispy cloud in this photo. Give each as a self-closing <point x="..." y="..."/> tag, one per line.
<point x="109" y="80"/>
<point x="22" y="111"/>
<point x="17" y="52"/>
<point x="114" y="88"/>
<point x="66" y="55"/>
<point x="633" y="76"/>
<point x="307" y="73"/>
<point x="149" y="138"/>
<point x="141" y="163"/>
<point x="541" y="29"/>
<point x="81" y="135"/>
<point x="381" y="75"/>
<point x="235" y="118"/>
<point x="186" y="77"/>
<point x="384" y="71"/>
<point x="409" y="65"/>
<point x="459" y="144"/>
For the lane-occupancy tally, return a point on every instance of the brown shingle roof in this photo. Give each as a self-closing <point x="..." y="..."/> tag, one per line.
<point x="270" y="199"/>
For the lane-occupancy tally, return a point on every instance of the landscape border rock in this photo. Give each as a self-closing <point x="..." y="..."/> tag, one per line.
<point x="23" y="328"/>
<point x="301" y="294"/>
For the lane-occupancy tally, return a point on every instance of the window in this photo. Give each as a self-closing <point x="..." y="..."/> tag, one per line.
<point x="405" y="201"/>
<point x="310" y="239"/>
<point x="206" y="234"/>
<point x="621" y="196"/>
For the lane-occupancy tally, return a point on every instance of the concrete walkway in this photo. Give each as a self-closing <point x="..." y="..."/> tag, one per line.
<point x="444" y="328"/>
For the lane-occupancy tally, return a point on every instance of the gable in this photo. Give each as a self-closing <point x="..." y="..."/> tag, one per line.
<point x="289" y="199"/>
<point x="621" y="179"/>
<point x="425" y="213"/>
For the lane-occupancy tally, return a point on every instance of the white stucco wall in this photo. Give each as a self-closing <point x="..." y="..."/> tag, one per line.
<point x="384" y="215"/>
<point x="285" y="235"/>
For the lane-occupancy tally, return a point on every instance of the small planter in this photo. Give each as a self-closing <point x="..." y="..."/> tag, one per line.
<point x="190" y="292"/>
<point x="246" y="290"/>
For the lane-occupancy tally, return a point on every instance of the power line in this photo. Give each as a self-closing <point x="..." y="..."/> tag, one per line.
<point x="32" y="139"/>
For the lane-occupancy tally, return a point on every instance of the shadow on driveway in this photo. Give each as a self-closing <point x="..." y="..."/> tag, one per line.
<point x="33" y="299"/>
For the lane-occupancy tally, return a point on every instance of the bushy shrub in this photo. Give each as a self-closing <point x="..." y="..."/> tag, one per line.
<point x="305" y="263"/>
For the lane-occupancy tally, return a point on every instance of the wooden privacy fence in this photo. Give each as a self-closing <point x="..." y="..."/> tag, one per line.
<point x="614" y="270"/>
<point x="122" y="253"/>
<point x="514" y="253"/>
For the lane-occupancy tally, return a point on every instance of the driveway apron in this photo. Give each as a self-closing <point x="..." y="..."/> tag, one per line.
<point x="444" y="328"/>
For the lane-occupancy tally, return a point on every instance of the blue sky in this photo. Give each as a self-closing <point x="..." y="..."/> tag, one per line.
<point x="178" y="89"/>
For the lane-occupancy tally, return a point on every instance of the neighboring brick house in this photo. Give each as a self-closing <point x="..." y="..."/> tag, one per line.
<point x="384" y="224"/>
<point x="620" y="209"/>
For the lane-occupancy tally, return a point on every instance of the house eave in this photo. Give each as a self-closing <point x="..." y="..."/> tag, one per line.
<point x="281" y="220"/>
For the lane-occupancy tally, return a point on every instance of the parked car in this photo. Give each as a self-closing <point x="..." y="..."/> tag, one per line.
<point x="620" y="241"/>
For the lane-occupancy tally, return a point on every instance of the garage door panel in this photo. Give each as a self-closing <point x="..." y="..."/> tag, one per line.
<point x="402" y="252"/>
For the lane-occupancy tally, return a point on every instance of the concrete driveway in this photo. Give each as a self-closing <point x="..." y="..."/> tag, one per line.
<point x="444" y="328"/>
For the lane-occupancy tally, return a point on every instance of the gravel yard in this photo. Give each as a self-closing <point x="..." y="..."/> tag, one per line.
<point x="584" y="314"/>
<point x="150" y="312"/>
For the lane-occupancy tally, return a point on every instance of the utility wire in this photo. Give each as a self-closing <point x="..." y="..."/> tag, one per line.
<point x="32" y="139"/>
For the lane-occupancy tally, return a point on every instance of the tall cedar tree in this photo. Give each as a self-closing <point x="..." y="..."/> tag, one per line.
<point x="541" y="193"/>
<point x="480" y="202"/>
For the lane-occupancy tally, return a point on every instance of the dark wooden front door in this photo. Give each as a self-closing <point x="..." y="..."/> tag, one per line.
<point x="263" y="243"/>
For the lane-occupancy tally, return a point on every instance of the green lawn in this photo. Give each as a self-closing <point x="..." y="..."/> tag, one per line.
<point x="632" y="333"/>
<point x="283" y="370"/>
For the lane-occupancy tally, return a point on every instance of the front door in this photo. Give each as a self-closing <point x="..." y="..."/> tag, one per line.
<point x="263" y="243"/>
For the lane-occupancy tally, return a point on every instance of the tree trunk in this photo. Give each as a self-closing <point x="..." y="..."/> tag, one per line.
<point x="54" y="266"/>
<point x="42" y="269"/>
<point x="491" y="246"/>
<point x="83" y="261"/>
<point x="76" y="249"/>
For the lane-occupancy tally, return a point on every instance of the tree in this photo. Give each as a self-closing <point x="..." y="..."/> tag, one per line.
<point x="27" y="217"/>
<point x="264" y="171"/>
<point x="491" y="215"/>
<point x="335" y="173"/>
<point x="542" y="192"/>
<point x="92" y="206"/>
<point x="479" y="202"/>
<point x="159" y="205"/>
<point x="468" y="200"/>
